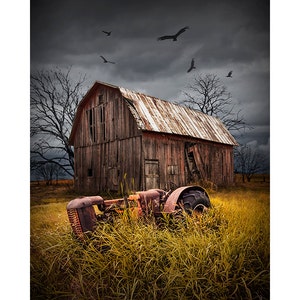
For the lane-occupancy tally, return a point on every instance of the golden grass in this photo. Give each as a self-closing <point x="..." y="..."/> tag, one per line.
<point x="223" y="254"/>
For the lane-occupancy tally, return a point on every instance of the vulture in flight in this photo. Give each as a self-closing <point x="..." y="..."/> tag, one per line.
<point x="229" y="74"/>
<point x="106" y="61"/>
<point x="192" y="66"/>
<point x="173" y="37"/>
<point x="108" y="33"/>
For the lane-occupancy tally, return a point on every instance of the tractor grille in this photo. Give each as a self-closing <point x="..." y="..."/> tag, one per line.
<point x="75" y="222"/>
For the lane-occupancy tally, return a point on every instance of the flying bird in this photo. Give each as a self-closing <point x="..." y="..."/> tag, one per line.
<point x="229" y="74"/>
<point x="173" y="37"/>
<point x="108" y="33"/>
<point x="106" y="61"/>
<point x="192" y="66"/>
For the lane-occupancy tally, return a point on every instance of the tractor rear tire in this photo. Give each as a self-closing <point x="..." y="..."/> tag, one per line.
<point x="194" y="201"/>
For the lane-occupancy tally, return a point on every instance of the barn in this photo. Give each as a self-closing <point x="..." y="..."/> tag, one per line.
<point x="122" y="137"/>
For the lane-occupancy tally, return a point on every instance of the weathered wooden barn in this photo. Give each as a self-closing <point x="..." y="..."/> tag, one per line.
<point x="120" y="135"/>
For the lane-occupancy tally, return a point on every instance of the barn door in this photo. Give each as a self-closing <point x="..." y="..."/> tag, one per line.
<point x="151" y="174"/>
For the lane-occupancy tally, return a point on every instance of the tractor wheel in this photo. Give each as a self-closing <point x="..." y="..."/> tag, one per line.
<point x="194" y="201"/>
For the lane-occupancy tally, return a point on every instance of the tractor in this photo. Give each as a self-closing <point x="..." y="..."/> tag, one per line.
<point x="151" y="203"/>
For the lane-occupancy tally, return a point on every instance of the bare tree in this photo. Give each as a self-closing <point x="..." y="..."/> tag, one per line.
<point x="248" y="161"/>
<point x="54" y="98"/>
<point x="211" y="97"/>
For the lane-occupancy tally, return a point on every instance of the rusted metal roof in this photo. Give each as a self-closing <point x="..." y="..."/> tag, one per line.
<point x="153" y="114"/>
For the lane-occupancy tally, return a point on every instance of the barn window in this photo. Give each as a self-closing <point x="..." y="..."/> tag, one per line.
<point x="90" y="172"/>
<point x="102" y="122"/>
<point x="100" y="99"/>
<point x="91" y="124"/>
<point x="173" y="170"/>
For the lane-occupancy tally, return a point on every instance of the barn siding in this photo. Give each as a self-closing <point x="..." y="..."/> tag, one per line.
<point x="108" y="158"/>
<point x="112" y="163"/>
<point x="119" y="123"/>
<point x="214" y="161"/>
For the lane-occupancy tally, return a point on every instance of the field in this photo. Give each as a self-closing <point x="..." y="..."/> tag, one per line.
<point x="223" y="254"/>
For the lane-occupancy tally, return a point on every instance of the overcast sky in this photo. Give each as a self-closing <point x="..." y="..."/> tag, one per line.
<point x="222" y="36"/>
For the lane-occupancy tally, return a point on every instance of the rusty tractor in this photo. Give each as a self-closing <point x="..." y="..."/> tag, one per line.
<point x="155" y="203"/>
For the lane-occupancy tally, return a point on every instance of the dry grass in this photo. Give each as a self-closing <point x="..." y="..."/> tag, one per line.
<point x="224" y="254"/>
<point x="59" y="191"/>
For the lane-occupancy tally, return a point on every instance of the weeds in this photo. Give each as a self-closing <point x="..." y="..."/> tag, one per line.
<point x="222" y="254"/>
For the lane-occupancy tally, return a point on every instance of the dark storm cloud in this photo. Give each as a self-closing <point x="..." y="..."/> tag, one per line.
<point x="223" y="36"/>
<point x="225" y="29"/>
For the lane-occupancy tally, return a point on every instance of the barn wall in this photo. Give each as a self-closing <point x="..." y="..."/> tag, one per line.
<point x="109" y="164"/>
<point x="105" y="137"/>
<point x="214" y="162"/>
<point x="166" y="150"/>
<point x="211" y="161"/>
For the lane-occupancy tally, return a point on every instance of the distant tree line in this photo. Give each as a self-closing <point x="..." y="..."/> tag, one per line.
<point x="249" y="161"/>
<point x="46" y="171"/>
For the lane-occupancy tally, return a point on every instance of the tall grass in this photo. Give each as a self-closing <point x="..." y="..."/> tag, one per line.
<point x="222" y="254"/>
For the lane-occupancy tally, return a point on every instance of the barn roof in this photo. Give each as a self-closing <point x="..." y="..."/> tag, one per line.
<point x="153" y="114"/>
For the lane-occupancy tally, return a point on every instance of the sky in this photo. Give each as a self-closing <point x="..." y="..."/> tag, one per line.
<point x="222" y="36"/>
